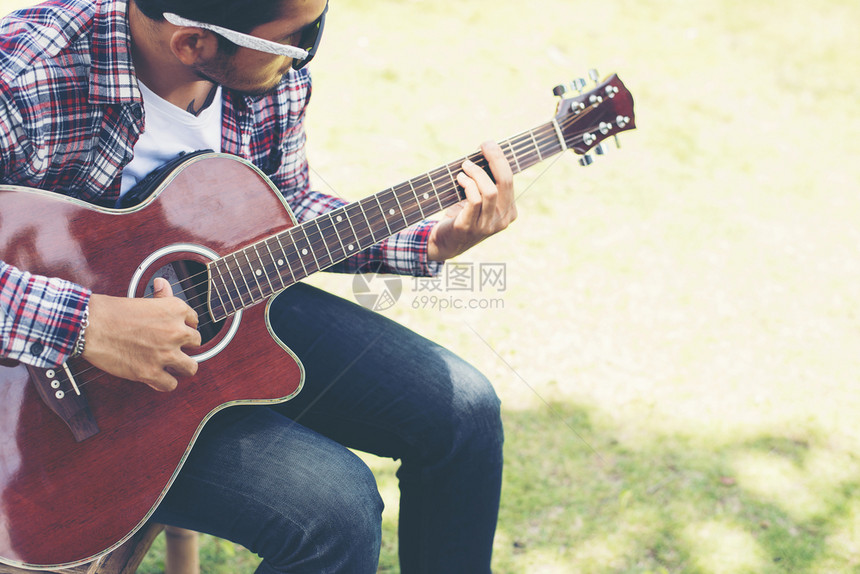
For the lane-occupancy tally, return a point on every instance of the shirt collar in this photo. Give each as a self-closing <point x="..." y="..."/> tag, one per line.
<point x="112" y="76"/>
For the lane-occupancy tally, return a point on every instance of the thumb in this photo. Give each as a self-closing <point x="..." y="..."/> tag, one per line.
<point x="161" y="288"/>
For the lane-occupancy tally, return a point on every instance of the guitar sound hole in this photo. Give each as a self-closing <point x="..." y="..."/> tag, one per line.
<point x="189" y="281"/>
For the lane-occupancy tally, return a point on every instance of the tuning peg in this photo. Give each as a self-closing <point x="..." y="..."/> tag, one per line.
<point x="559" y="90"/>
<point x="600" y="149"/>
<point x="617" y="142"/>
<point x="586" y="160"/>
<point x="595" y="77"/>
<point x="578" y="84"/>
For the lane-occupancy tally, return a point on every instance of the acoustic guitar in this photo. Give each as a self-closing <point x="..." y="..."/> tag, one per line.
<point x="86" y="457"/>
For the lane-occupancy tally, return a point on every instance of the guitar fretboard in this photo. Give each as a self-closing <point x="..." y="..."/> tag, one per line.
<point x="252" y="274"/>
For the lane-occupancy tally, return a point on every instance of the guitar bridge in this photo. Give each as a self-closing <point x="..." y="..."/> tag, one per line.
<point x="61" y="394"/>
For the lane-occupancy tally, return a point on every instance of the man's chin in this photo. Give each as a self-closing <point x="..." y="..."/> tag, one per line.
<point x="244" y="89"/>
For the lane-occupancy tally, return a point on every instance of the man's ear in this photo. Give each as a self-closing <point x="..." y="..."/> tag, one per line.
<point x="191" y="45"/>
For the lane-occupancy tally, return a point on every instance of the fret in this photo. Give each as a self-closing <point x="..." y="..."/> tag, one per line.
<point x="537" y="147"/>
<point x="382" y="211"/>
<point x="411" y="202"/>
<point x="454" y="185"/>
<point x="436" y="192"/>
<point x="557" y="129"/>
<point x="553" y="146"/>
<point x="233" y="279"/>
<point x="514" y="155"/>
<point x="307" y="231"/>
<point x="434" y="205"/>
<point x="369" y="226"/>
<point x="219" y="275"/>
<point x="336" y="253"/>
<point x="299" y="251"/>
<point x="400" y="208"/>
<point x="244" y="273"/>
<point x="355" y="244"/>
<point x="255" y="273"/>
<point x="331" y="221"/>
<point x="418" y="201"/>
<point x="275" y="266"/>
<point x="285" y="260"/>
<point x="264" y="271"/>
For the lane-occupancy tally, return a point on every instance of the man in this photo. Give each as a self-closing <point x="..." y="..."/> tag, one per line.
<point x="96" y="93"/>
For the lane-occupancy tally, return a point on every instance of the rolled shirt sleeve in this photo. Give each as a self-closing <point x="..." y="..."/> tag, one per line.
<point x="40" y="317"/>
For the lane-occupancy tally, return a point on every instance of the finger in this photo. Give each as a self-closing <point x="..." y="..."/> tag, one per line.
<point x="472" y="204"/>
<point x="500" y="167"/>
<point x="481" y="178"/>
<point x="455" y="209"/>
<point x="503" y="174"/>
<point x="183" y="366"/>
<point x="192" y="319"/>
<point x="489" y="194"/>
<point x="193" y="338"/>
<point x="161" y="288"/>
<point x="163" y="382"/>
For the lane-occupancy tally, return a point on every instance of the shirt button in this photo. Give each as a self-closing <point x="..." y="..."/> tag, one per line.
<point x="36" y="349"/>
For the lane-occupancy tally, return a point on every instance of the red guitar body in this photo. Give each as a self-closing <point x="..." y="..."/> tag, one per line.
<point x="65" y="501"/>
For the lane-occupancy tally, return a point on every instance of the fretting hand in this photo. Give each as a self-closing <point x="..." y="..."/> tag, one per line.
<point x="488" y="208"/>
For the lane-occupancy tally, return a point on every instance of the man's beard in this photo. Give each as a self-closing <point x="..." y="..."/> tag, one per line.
<point x="220" y="73"/>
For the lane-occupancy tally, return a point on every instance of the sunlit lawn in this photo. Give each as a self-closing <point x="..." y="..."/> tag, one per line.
<point x="677" y="351"/>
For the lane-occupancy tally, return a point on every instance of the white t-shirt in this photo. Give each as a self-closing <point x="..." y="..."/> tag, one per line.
<point x="168" y="131"/>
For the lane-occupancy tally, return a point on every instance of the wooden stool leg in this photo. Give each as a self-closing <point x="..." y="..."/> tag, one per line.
<point x="183" y="556"/>
<point x="127" y="558"/>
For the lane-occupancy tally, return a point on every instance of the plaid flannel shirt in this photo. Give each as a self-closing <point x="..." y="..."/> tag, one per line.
<point x="70" y="114"/>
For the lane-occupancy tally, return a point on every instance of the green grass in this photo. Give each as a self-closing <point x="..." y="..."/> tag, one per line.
<point x="679" y="346"/>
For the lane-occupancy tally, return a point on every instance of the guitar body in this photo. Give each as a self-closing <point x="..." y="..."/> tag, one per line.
<point x="64" y="501"/>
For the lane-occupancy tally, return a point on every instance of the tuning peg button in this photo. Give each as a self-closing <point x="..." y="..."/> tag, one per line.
<point x="578" y="84"/>
<point x="600" y="149"/>
<point x="559" y="90"/>
<point x="586" y="160"/>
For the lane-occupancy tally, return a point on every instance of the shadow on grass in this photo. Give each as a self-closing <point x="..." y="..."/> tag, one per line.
<point x="597" y="500"/>
<point x="599" y="503"/>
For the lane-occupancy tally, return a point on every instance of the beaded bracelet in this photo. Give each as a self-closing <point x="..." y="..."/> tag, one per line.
<point x="79" y="344"/>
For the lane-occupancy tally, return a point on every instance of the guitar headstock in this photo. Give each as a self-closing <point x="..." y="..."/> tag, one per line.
<point x="584" y="121"/>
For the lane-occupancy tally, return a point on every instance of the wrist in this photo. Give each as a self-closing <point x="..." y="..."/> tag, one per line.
<point x="81" y="341"/>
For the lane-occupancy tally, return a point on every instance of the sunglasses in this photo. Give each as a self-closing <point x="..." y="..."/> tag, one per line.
<point x="301" y="54"/>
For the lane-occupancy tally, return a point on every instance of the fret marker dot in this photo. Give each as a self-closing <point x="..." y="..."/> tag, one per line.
<point x="280" y="262"/>
<point x="304" y="251"/>
<point x="259" y="272"/>
<point x="426" y="196"/>
<point x="350" y="247"/>
<point x="339" y="218"/>
<point x="391" y="211"/>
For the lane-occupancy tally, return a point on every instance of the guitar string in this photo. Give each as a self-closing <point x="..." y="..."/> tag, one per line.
<point x="257" y="290"/>
<point x="414" y="206"/>
<point x="525" y="141"/>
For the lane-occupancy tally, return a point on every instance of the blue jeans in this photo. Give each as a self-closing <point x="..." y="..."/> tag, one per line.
<point x="281" y="481"/>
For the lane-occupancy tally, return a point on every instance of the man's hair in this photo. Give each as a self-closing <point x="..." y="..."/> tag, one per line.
<point x="239" y="15"/>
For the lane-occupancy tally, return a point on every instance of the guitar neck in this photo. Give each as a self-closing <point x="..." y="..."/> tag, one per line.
<point x="251" y="275"/>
